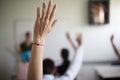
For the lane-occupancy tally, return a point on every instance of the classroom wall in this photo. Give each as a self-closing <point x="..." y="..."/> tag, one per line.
<point x="74" y="11"/>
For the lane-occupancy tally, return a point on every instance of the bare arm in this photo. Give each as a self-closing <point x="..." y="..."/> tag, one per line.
<point x="71" y="42"/>
<point x="35" y="66"/>
<point x="43" y="25"/>
<point x="18" y="49"/>
<point x="114" y="47"/>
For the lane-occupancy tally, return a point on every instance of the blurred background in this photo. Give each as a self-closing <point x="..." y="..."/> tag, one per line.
<point x="18" y="16"/>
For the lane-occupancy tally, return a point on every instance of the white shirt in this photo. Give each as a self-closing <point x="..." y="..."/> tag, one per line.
<point x="73" y="70"/>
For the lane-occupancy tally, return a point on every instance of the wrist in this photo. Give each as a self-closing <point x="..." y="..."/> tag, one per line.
<point x="39" y="41"/>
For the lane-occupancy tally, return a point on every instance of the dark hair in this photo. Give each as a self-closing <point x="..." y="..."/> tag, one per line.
<point x="65" y="54"/>
<point x="48" y="66"/>
<point x="27" y="33"/>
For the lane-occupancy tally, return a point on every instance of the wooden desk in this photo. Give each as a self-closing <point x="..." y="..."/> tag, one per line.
<point x="108" y="72"/>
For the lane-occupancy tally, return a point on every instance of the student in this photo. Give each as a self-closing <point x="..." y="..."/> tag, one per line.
<point x="116" y="51"/>
<point x="43" y="26"/>
<point x="25" y="48"/>
<point x="61" y="69"/>
<point x="25" y="51"/>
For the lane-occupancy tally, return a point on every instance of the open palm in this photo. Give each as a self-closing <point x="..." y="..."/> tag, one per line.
<point x="44" y="23"/>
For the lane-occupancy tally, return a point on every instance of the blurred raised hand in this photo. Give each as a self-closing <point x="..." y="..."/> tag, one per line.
<point x="114" y="47"/>
<point x="71" y="41"/>
<point x="68" y="36"/>
<point x="79" y="39"/>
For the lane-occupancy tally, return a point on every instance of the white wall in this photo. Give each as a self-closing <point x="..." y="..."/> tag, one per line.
<point x="74" y="11"/>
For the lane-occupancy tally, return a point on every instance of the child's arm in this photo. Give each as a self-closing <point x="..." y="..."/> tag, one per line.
<point x="71" y="42"/>
<point x="114" y="47"/>
<point x="43" y="26"/>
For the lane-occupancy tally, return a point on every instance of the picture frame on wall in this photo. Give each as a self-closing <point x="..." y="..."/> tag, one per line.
<point x="98" y="12"/>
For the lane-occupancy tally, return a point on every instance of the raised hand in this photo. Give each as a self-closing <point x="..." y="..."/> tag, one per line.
<point x="71" y="41"/>
<point x="68" y="35"/>
<point x="114" y="47"/>
<point x="79" y="39"/>
<point x="44" y="23"/>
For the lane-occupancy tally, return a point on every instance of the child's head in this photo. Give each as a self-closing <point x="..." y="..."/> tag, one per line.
<point x="28" y="36"/>
<point x="65" y="54"/>
<point x="48" y="66"/>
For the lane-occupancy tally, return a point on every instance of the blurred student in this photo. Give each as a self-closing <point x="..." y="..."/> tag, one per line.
<point x="25" y="52"/>
<point x="61" y="69"/>
<point x="117" y="53"/>
<point x="25" y="48"/>
<point x="65" y="54"/>
<point x="37" y="66"/>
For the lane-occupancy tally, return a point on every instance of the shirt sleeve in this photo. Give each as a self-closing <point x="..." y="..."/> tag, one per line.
<point x="75" y="66"/>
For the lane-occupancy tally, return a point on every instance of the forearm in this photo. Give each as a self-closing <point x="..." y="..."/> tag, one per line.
<point x="76" y="64"/>
<point x="72" y="43"/>
<point x="116" y="51"/>
<point x="35" y="66"/>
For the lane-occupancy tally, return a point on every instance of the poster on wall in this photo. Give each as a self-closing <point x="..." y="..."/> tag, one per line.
<point x="98" y="12"/>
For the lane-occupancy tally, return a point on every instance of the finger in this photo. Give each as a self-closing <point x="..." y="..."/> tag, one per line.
<point x="54" y="22"/>
<point x="43" y="11"/>
<point x="52" y="13"/>
<point x="48" y="10"/>
<point x="38" y="12"/>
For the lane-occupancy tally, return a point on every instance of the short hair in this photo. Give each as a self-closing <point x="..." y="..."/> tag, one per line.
<point x="27" y="33"/>
<point x="48" y="66"/>
<point x="65" y="53"/>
